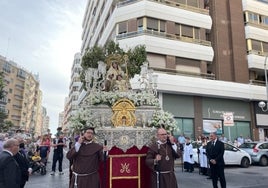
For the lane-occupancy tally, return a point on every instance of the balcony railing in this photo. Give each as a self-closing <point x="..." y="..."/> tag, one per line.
<point x="163" y="35"/>
<point x="184" y="73"/>
<point x="168" y="3"/>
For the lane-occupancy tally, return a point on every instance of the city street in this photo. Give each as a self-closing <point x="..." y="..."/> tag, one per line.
<point x="236" y="177"/>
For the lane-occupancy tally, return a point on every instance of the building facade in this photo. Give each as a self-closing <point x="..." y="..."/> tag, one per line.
<point x="209" y="57"/>
<point x="75" y="89"/>
<point x="23" y="97"/>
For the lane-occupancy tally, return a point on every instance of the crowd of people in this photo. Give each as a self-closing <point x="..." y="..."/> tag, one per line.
<point x="20" y="157"/>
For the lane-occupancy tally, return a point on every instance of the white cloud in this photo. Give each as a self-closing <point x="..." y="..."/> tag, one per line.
<point x="43" y="37"/>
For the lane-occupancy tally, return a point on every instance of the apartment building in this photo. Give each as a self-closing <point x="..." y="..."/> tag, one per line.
<point x="209" y="57"/>
<point x="23" y="97"/>
<point x="75" y="88"/>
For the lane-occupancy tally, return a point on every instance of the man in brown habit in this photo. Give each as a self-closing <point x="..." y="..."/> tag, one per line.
<point x="86" y="156"/>
<point x="160" y="159"/>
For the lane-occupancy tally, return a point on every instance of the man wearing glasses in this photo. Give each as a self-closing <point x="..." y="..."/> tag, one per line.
<point x="160" y="159"/>
<point x="86" y="156"/>
<point x="9" y="168"/>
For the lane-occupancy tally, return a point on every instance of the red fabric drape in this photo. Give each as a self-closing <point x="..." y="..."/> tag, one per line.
<point x="127" y="170"/>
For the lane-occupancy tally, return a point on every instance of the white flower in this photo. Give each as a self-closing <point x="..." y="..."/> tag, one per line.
<point x="163" y="119"/>
<point x="109" y="98"/>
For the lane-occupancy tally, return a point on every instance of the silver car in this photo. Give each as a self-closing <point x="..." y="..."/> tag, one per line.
<point x="258" y="152"/>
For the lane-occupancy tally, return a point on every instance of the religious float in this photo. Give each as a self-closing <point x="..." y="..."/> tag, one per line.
<point x="125" y="118"/>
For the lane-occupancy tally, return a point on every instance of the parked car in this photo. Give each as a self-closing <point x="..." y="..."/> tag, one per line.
<point x="232" y="155"/>
<point x="258" y="152"/>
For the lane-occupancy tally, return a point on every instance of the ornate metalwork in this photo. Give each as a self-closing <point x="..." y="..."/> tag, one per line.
<point x="124" y="113"/>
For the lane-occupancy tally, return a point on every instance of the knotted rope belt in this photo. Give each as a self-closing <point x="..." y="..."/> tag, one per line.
<point x="81" y="175"/>
<point x="163" y="172"/>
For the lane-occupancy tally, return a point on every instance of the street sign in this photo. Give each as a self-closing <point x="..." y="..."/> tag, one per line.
<point x="228" y="119"/>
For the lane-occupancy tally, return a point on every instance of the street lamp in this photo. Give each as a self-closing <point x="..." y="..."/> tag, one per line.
<point x="262" y="104"/>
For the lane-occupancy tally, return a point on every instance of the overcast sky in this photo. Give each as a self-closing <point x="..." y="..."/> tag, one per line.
<point x="42" y="36"/>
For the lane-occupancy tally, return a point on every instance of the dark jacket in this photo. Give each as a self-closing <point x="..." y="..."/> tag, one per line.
<point x="9" y="171"/>
<point x="216" y="151"/>
<point x="24" y="165"/>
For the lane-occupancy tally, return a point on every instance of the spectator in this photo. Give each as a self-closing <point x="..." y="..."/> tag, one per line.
<point x="10" y="170"/>
<point x="2" y="139"/>
<point x="240" y="140"/>
<point x="248" y="139"/>
<point x="215" y="151"/>
<point x="188" y="160"/>
<point x="58" y="144"/>
<point x="44" y="148"/>
<point x="203" y="157"/>
<point x="23" y="162"/>
<point x="223" y="138"/>
<point x="181" y="141"/>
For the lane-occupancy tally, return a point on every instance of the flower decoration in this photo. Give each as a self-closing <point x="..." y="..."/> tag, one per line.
<point x="163" y="119"/>
<point x="82" y="119"/>
<point x="109" y="98"/>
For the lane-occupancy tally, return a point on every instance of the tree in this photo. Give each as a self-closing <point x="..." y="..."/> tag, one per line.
<point x="2" y="86"/>
<point x="135" y="58"/>
<point x="4" y="125"/>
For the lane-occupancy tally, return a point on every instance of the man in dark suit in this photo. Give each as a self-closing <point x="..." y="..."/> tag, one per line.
<point x="23" y="162"/>
<point x="215" y="151"/>
<point x="9" y="168"/>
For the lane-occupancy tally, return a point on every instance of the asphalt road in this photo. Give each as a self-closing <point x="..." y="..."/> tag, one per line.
<point x="236" y="177"/>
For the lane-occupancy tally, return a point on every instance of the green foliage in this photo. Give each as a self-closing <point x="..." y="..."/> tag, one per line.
<point x="136" y="57"/>
<point x="2" y="85"/>
<point x="113" y="48"/>
<point x="92" y="56"/>
<point x="6" y="125"/>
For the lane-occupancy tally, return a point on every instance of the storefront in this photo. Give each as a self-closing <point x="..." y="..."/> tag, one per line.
<point x="201" y="115"/>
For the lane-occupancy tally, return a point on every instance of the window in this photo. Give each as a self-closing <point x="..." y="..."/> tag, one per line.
<point x="156" y="25"/>
<point x="265" y="20"/>
<point x="184" y="126"/>
<point x="181" y="1"/>
<point x="193" y="3"/>
<point x="7" y="67"/>
<point x="122" y="27"/>
<point x="265" y="46"/>
<point x="21" y="73"/>
<point x="152" y="24"/>
<point x="196" y="33"/>
<point x="162" y="26"/>
<point x="256" y="45"/>
<point x="252" y="17"/>
<point x="187" y="31"/>
<point x="178" y="29"/>
<point x="140" y="24"/>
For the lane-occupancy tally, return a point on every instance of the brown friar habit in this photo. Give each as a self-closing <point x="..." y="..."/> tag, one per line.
<point x="165" y="165"/>
<point x="86" y="165"/>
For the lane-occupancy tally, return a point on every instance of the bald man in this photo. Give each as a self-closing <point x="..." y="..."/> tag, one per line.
<point x="160" y="159"/>
<point x="9" y="168"/>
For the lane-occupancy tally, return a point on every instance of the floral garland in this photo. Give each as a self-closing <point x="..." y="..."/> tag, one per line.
<point x="163" y="119"/>
<point x="86" y="118"/>
<point x="109" y="98"/>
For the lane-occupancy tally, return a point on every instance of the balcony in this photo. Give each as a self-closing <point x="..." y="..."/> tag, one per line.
<point x="168" y="3"/>
<point x="163" y="35"/>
